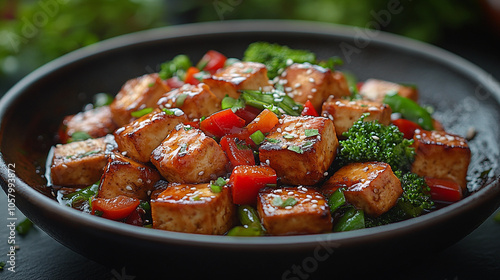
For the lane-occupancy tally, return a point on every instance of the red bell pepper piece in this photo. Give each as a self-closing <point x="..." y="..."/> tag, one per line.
<point x="190" y="78"/>
<point x="213" y="61"/>
<point x="116" y="208"/>
<point x="265" y="121"/>
<point x="222" y="123"/>
<point x="444" y="190"/>
<point x="246" y="181"/>
<point x="309" y="110"/>
<point x="407" y="127"/>
<point x="248" y="113"/>
<point x="237" y="154"/>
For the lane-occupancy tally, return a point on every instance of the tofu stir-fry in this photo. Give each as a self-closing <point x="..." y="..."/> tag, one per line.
<point x="277" y="143"/>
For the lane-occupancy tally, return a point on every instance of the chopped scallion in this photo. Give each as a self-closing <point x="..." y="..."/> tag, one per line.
<point x="257" y="137"/>
<point x="142" y="112"/>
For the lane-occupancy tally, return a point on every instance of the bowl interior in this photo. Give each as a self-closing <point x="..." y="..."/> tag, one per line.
<point x="463" y="96"/>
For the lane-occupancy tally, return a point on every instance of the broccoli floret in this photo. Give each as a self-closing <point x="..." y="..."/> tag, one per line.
<point x="175" y="67"/>
<point x="372" y="141"/>
<point x="414" y="201"/>
<point x="276" y="57"/>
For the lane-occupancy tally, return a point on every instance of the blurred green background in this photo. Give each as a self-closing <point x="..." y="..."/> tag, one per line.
<point x="35" y="32"/>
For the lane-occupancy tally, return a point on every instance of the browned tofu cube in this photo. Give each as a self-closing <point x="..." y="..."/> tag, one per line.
<point x="312" y="82"/>
<point x="441" y="155"/>
<point x="293" y="210"/>
<point x="124" y="176"/>
<point x="97" y="122"/>
<point x="80" y="163"/>
<point x="193" y="208"/>
<point x="345" y="113"/>
<point x="375" y="90"/>
<point x="370" y="186"/>
<point x="187" y="155"/>
<point x="140" y="137"/>
<point x="300" y="149"/>
<point x="136" y="94"/>
<point x="195" y="101"/>
<point x="238" y="76"/>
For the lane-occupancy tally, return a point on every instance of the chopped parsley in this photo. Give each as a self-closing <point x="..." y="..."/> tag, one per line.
<point x="279" y="202"/>
<point x="272" y="140"/>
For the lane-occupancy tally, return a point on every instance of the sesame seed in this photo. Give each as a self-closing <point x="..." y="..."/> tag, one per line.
<point x="309" y="196"/>
<point x="201" y="173"/>
<point x="314" y="201"/>
<point x="178" y="113"/>
<point x="309" y="71"/>
<point x="325" y="174"/>
<point x="288" y="207"/>
<point x="279" y="129"/>
<point x="314" y="205"/>
<point x="314" y="90"/>
<point x="306" y="200"/>
<point x="311" y="80"/>
<point x="128" y="188"/>
<point x="290" y="193"/>
<point x="297" y="85"/>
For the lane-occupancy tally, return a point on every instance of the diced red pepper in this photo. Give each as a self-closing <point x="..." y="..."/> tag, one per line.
<point x="359" y="85"/>
<point x="190" y="76"/>
<point x="222" y="123"/>
<point x="116" y="208"/>
<point x="309" y="110"/>
<point x="248" y="113"/>
<point x="238" y="154"/>
<point x="264" y="122"/>
<point x="214" y="61"/>
<point x="136" y="217"/>
<point x="407" y="127"/>
<point x="246" y="181"/>
<point x="444" y="190"/>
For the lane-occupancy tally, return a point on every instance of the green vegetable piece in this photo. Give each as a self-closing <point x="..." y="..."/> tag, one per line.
<point x="331" y="63"/>
<point x="24" y="227"/>
<point x="216" y="186"/>
<point x="311" y="132"/>
<point x="102" y="99"/>
<point x="80" y="196"/>
<point x="142" y="112"/>
<point x="276" y="57"/>
<point x="179" y="101"/>
<point x="409" y="109"/>
<point x="145" y="205"/>
<point x="79" y="136"/>
<point x="296" y="149"/>
<point x="496" y="217"/>
<point x="257" y="137"/>
<point x="175" y="67"/>
<point x="336" y="200"/>
<point x="278" y="202"/>
<point x="372" y="141"/>
<point x="244" y="231"/>
<point x="249" y="217"/>
<point x="230" y="61"/>
<point x="2" y="265"/>
<point x="351" y="220"/>
<point x="234" y="104"/>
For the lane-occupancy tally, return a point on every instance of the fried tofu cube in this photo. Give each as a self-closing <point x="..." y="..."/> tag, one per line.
<point x="140" y="137"/>
<point x="193" y="208"/>
<point x="370" y="186"/>
<point x="305" y="82"/>
<point x="189" y="156"/>
<point x="80" y="163"/>
<point x="124" y="176"/>
<point x="300" y="149"/>
<point x="345" y="113"/>
<point x="136" y="94"/>
<point x="293" y="210"/>
<point x="441" y="155"/>
<point x="96" y="122"/>
<point x="195" y="101"/>
<point x="238" y="76"/>
<point x="375" y="90"/>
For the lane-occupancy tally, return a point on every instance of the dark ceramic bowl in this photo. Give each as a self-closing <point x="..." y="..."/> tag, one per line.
<point x="464" y="96"/>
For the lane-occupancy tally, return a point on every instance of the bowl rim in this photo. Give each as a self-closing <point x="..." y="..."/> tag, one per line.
<point x="249" y="26"/>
